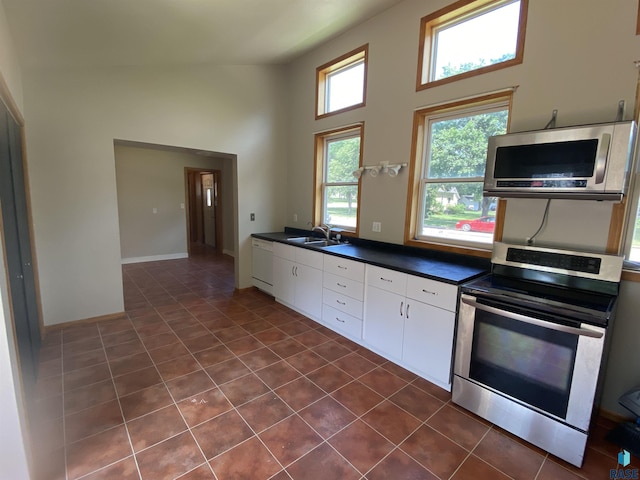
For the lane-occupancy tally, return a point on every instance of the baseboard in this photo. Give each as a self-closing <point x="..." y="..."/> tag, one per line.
<point x="154" y="258"/>
<point x="613" y="416"/>
<point x="100" y="318"/>
<point x="231" y="253"/>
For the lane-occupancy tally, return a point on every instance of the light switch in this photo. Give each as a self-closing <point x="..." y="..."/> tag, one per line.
<point x="155" y="210"/>
<point x="376" y="227"/>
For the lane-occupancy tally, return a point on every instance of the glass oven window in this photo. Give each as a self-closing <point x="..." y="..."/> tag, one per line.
<point x="528" y="362"/>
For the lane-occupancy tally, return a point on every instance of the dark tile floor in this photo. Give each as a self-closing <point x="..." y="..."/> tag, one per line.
<point x="198" y="381"/>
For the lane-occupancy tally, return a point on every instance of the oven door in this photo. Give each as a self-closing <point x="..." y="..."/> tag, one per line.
<point x="551" y="367"/>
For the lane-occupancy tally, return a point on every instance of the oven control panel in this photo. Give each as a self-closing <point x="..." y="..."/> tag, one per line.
<point x="571" y="263"/>
<point x="562" y="261"/>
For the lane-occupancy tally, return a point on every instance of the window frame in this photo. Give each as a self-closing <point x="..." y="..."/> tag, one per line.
<point x="324" y="71"/>
<point x="421" y="123"/>
<point x="622" y="225"/>
<point x="449" y="14"/>
<point x="320" y="169"/>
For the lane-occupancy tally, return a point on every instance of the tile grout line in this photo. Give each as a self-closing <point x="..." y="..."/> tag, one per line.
<point x="64" y="424"/>
<point x="175" y="404"/>
<point x="126" y="429"/>
<point x="254" y="372"/>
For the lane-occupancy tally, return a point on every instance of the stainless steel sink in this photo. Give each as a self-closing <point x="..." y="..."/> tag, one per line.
<point x="313" y="241"/>
<point x="302" y="239"/>
<point x="322" y="243"/>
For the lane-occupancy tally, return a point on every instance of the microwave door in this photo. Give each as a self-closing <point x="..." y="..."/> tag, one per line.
<point x="573" y="163"/>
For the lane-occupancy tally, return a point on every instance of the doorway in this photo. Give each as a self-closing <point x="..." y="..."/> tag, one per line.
<point x="204" y="209"/>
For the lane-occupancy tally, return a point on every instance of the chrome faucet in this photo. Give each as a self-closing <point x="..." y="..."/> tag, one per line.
<point x="324" y="228"/>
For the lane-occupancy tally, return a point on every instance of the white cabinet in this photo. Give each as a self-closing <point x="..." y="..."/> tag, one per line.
<point x="384" y="322"/>
<point x="408" y="319"/>
<point x="284" y="280"/>
<point x="411" y="321"/>
<point x="428" y="341"/>
<point x="342" y="295"/>
<point x="309" y="290"/>
<point x="297" y="279"/>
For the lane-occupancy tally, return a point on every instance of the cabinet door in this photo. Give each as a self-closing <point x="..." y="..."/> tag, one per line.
<point x="428" y="341"/>
<point x="309" y="290"/>
<point x="284" y="284"/>
<point x="384" y="321"/>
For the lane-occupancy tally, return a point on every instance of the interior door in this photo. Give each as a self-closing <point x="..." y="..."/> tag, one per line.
<point x="209" y="199"/>
<point x="17" y="240"/>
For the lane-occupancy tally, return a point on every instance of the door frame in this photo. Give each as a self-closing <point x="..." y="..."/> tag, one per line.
<point x="191" y="197"/>
<point x="14" y="111"/>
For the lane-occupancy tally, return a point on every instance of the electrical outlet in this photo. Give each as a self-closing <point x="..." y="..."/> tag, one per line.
<point x="182" y="206"/>
<point x="295" y="217"/>
<point x="376" y="227"/>
<point x="253" y="217"/>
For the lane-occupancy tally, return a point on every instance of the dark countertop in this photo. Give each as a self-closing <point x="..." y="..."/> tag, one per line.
<point x="442" y="266"/>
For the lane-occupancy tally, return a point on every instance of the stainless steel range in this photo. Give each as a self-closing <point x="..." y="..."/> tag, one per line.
<point x="531" y="343"/>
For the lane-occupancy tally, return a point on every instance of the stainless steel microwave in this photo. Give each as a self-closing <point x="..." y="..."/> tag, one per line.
<point x="588" y="162"/>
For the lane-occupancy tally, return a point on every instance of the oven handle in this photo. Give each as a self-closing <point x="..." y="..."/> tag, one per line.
<point x="533" y="321"/>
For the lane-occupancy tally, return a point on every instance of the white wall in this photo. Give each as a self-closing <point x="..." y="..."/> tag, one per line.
<point x="578" y="59"/>
<point x="73" y="118"/>
<point x="567" y="66"/>
<point x="13" y="450"/>
<point x="11" y="73"/>
<point x="149" y="178"/>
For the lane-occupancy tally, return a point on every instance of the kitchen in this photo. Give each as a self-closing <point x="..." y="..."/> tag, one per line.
<point x="566" y="67"/>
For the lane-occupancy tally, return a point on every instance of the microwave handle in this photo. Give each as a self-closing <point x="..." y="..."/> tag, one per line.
<point x="533" y="321"/>
<point x="601" y="157"/>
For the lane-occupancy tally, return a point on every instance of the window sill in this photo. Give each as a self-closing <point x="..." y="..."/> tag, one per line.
<point x="472" y="251"/>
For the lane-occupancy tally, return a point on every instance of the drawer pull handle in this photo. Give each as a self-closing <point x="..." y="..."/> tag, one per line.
<point x="343" y="268"/>
<point x="401" y="305"/>
<point x="341" y="285"/>
<point x="407" y="313"/>
<point x="341" y="321"/>
<point x="386" y="280"/>
<point x="341" y="303"/>
<point x="431" y="293"/>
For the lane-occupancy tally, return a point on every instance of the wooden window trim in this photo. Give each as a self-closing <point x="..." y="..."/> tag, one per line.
<point x="360" y="53"/>
<point x="415" y="176"/>
<point x="318" y="174"/>
<point x="453" y="11"/>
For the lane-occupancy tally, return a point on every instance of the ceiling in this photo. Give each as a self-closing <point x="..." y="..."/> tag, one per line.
<point x="81" y="33"/>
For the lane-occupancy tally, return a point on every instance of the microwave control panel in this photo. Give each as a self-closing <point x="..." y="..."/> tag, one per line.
<point x="546" y="183"/>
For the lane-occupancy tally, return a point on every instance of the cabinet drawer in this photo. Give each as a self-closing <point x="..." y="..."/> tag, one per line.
<point x="342" y="322"/>
<point x="344" y="268"/>
<point x="263" y="244"/>
<point x="438" y="294"/>
<point x="343" y="285"/>
<point x="284" y="251"/>
<point x="388" y="280"/>
<point x="309" y="257"/>
<point x="343" y="303"/>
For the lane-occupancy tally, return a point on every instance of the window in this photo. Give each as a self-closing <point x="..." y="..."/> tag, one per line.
<point x="341" y="83"/>
<point x="338" y="155"/>
<point x="632" y="237"/>
<point x="449" y="156"/>
<point x="470" y="37"/>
